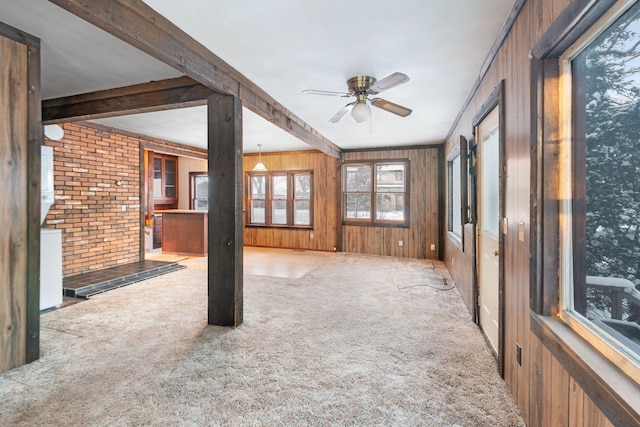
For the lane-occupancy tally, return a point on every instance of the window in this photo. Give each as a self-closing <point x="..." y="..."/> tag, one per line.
<point x="280" y="199"/>
<point x="454" y="198"/>
<point x="604" y="247"/>
<point x="588" y="179"/>
<point x="375" y="193"/>
<point x="199" y="191"/>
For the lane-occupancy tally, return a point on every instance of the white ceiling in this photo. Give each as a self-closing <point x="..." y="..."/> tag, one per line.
<point x="284" y="47"/>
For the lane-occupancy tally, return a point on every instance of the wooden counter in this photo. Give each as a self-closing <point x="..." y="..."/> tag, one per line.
<point x="184" y="232"/>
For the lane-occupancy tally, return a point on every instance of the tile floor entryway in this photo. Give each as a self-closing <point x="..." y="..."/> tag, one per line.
<point x="96" y="282"/>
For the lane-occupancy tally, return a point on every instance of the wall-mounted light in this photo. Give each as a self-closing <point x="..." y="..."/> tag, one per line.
<point x="53" y="132"/>
<point x="260" y="166"/>
<point x="118" y="183"/>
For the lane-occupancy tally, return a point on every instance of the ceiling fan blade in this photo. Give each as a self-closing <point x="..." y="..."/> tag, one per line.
<point x="391" y="107"/>
<point x="325" y="93"/>
<point x="340" y="114"/>
<point x="388" y="82"/>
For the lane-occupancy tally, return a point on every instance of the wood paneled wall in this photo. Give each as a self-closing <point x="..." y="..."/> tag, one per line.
<point x="20" y="139"/>
<point x="13" y="210"/>
<point x="326" y="202"/>
<point x="424" y="213"/>
<point x="545" y="392"/>
<point x="187" y="165"/>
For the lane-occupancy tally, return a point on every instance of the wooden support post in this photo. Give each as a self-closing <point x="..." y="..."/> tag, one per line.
<point x="225" y="210"/>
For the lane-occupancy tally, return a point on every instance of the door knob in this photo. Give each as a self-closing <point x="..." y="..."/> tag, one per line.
<point x="496" y="253"/>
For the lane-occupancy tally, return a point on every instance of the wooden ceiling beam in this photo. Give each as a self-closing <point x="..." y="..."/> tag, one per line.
<point x="141" y="98"/>
<point x="139" y="25"/>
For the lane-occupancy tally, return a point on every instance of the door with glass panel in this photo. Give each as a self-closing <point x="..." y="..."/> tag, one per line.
<point x="489" y="227"/>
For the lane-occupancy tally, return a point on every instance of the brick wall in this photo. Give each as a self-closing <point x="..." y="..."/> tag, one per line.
<point x="96" y="175"/>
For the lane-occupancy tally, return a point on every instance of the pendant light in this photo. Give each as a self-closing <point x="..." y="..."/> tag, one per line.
<point x="260" y="167"/>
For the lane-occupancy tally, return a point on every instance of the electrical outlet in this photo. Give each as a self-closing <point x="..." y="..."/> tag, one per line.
<point x="519" y="354"/>
<point x="433" y="247"/>
<point x="400" y="243"/>
<point x="311" y="235"/>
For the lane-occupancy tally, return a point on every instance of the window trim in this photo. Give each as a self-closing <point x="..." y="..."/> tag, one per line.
<point x="290" y="201"/>
<point x="451" y="176"/>
<point x="372" y="221"/>
<point x="551" y="263"/>
<point x="611" y="348"/>
<point x="192" y="178"/>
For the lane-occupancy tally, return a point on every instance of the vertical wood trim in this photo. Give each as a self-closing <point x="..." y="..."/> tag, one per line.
<point x="20" y="208"/>
<point x="441" y="201"/>
<point x="549" y="251"/>
<point x="464" y="183"/>
<point x="537" y="199"/>
<point x="579" y="192"/>
<point x="35" y="137"/>
<point x="225" y="231"/>
<point x="144" y="206"/>
<point x="339" y="205"/>
<point x="501" y="243"/>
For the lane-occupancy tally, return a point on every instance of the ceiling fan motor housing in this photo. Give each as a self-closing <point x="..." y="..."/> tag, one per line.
<point x="360" y="84"/>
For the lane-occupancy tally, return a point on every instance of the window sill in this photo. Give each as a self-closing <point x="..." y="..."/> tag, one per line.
<point x="291" y="227"/>
<point x="375" y="224"/>
<point x="615" y="394"/>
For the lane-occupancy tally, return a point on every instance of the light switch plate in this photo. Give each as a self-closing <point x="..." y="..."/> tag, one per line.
<point x="521" y="231"/>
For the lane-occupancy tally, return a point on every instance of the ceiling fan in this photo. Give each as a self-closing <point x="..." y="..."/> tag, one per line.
<point x="361" y="87"/>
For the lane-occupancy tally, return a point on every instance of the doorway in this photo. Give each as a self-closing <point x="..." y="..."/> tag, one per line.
<point x="488" y="135"/>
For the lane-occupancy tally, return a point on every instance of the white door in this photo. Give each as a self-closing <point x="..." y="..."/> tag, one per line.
<point x="489" y="226"/>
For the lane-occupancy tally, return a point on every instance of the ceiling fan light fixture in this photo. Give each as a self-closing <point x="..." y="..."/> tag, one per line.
<point x="361" y="87"/>
<point x="260" y="167"/>
<point x="388" y="82"/>
<point x="361" y="112"/>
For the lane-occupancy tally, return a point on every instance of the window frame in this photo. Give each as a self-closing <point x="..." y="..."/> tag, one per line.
<point x="372" y="220"/>
<point x="454" y="200"/>
<point x="290" y="201"/>
<point x="192" y="188"/>
<point x="569" y="190"/>
<point x="552" y="188"/>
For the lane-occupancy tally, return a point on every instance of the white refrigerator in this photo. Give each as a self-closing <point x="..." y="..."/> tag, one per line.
<point x="50" y="268"/>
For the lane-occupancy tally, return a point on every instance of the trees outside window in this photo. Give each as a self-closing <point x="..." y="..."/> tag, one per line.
<point x="605" y="207"/>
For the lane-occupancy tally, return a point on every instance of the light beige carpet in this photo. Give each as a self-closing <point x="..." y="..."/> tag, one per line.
<point x="358" y="340"/>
